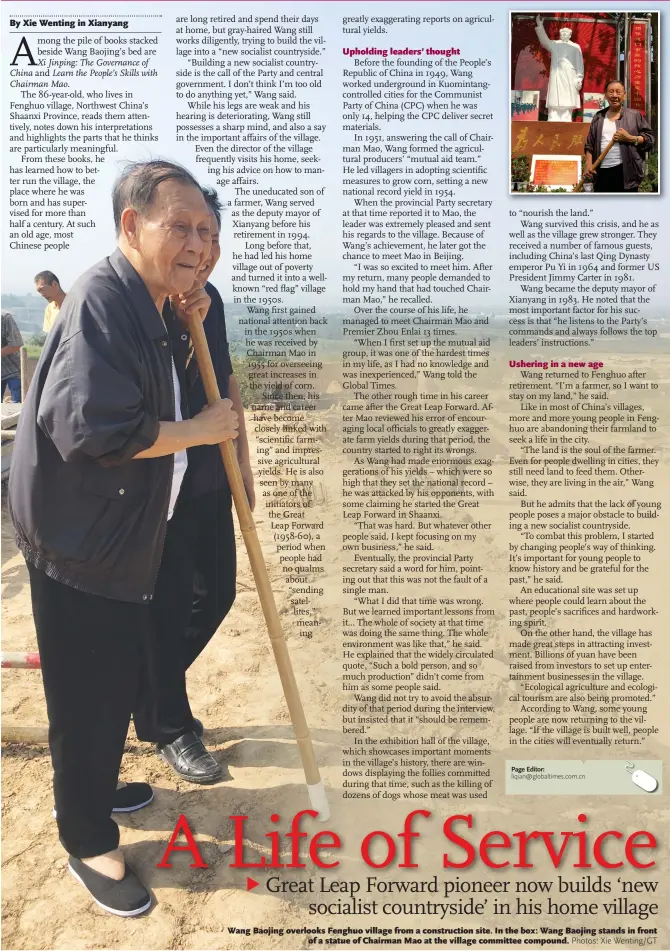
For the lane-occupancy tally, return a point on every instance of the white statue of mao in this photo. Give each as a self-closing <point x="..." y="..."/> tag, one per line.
<point x="566" y="73"/>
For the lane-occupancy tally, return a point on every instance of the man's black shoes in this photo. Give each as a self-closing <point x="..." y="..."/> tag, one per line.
<point x="190" y="760"/>
<point x="198" y="728"/>
<point x="132" y="796"/>
<point x="127" y="897"/>
<point x="129" y="798"/>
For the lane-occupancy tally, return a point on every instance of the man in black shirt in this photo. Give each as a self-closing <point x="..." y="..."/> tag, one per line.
<point x="205" y="556"/>
<point x="12" y="341"/>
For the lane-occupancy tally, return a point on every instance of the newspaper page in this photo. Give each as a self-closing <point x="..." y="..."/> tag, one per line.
<point x="335" y="475"/>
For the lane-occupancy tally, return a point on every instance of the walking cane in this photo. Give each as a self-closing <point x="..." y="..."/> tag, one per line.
<point x="579" y="187"/>
<point x="23" y="354"/>
<point x="315" y="787"/>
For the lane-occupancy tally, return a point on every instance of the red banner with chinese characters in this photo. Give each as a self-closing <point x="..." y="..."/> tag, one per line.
<point x="637" y="65"/>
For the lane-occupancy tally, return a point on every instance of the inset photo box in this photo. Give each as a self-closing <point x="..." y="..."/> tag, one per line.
<point x="584" y="102"/>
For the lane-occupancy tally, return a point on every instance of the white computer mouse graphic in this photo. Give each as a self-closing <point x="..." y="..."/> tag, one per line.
<point x="644" y="780"/>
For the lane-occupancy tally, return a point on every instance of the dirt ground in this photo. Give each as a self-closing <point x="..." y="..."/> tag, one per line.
<point x="234" y="688"/>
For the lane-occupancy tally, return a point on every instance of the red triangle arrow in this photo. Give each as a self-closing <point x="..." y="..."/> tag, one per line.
<point x="251" y="884"/>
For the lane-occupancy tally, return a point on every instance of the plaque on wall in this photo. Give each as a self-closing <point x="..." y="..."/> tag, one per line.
<point x="556" y="171"/>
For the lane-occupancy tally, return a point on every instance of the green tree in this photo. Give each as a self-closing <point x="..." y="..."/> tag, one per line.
<point x="650" y="181"/>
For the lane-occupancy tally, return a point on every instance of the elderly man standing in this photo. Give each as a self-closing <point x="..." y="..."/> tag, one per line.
<point x="12" y="341"/>
<point x="48" y="286"/>
<point x="98" y="462"/>
<point x="630" y="138"/>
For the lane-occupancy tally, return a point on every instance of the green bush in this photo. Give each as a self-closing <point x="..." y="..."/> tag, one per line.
<point x="650" y="181"/>
<point x="527" y="187"/>
<point x="521" y="168"/>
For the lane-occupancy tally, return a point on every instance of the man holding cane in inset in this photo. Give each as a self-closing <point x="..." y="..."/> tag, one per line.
<point x="625" y="136"/>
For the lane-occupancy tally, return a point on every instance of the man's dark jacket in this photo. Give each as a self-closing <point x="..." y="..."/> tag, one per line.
<point x="84" y="510"/>
<point x="632" y="155"/>
<point x="205" y="471"/>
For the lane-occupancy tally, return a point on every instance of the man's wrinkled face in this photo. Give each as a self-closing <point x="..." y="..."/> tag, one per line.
<point x="173" y="239"/>
<point x="615" y="94"/>
<point x="48" y="291"/>
<point x="214" y="254"/>
<point x="565" y="34"/>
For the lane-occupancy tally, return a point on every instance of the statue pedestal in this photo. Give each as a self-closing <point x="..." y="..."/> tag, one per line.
<point x="547" y="138"/>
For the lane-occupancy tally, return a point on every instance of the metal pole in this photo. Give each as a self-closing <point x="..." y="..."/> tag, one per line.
<point x="623" y="73"/>
<point x="24" y="373"/>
